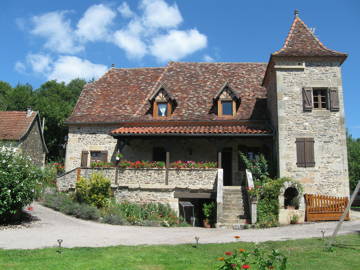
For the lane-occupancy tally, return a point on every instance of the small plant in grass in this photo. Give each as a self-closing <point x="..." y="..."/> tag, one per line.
<point x="258" y="259"/>
<point x="95" y="190"/>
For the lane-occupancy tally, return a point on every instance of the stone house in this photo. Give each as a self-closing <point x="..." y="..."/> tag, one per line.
<point x="23" y="131"/>
<point x="290" y="109"/>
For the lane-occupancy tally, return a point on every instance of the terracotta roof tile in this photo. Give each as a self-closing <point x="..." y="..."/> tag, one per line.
<point x="122" y="95"/>
<point x="302" y="42"/>
<point x="15" y="124"/>
<point x="192" y="128"/>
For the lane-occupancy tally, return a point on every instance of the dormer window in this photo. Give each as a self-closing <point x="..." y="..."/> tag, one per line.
<point x="226" y="102"/>
<point x="162" y="109"/>
<point x="162" y="102"/>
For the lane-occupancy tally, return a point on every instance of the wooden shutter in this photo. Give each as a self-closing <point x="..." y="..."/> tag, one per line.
<point x="300" y="152"/>
<point x="84" y="159"/>
<point x="334" y="99"/>
<point x="307" y="99"/>
<point x="309" y="152"/>
<point x="104" y="156"/>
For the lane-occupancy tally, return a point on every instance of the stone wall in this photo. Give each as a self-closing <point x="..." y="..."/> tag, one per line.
<point x="88" y="138"/>
<point x="330" y="174"/>
<point x="32" y="145"/>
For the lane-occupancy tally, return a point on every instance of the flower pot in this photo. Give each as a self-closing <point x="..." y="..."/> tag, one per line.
<point x="206" y="223"/>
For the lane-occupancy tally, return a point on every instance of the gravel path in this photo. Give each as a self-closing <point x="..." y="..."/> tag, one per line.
<point x="53" y="225"/>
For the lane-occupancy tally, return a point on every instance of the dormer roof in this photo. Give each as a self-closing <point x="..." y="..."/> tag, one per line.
<point x="226" y="88"/>
<point x="301" y="41"/>
<point x="161" y="89"/>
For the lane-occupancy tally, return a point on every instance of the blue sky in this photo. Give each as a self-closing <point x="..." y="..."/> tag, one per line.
<point x="44" y="40"/>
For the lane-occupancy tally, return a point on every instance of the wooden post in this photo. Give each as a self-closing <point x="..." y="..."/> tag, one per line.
<point x="356" y="191"/>
<point x="167" y="167"/>
<point x="78" y="172"/>
<point x="219" y="160"/>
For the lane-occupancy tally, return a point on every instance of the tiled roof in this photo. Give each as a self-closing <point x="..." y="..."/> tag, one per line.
<point x="14" y="124"/>
<point x="302" y="42"/>
<point x="192" y="128"/>
<point x="122" y="95"/>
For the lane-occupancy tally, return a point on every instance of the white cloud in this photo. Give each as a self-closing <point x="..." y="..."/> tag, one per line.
<point x="94" y="25"/>
<point x="20" y="67"/>
<point x="130" y="43"/>
<point x="39" y="63"/>
<point x="67" y="68"/>
<point x="208" y="58"/>
<point x="177" y="44"/>
<point x="158" y="14"/>
<point x="125" y="10"/>
<point x="57" y="31"/>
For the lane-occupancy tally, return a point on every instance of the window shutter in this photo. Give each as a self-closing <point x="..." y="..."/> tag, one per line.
<point x="334" y="99"/>
<point x="309" y="152"/>
<point x="300" y="152"/>
<point x="104" y="156"/>
<point x="307" y="99"/>
<point x="84" y="159"/>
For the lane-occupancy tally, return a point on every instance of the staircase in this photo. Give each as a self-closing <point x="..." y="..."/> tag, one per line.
<point x="233" y="208"/>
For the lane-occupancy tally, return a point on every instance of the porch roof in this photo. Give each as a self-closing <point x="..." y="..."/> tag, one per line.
<point x="193" y="128"/>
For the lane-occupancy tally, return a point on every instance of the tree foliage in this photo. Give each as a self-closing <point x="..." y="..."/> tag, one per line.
<point x="55" y="102"/>
<point x="353" y="147"/>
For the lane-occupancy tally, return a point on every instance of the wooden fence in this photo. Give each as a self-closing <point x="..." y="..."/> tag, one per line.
<point x="320" y="207"/>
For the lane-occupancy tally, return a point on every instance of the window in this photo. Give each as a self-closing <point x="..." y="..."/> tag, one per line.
<point x="305" y="152"/>
<point x="162" y="109"/>
<point x="98" y="156"/>
<point x="320" y="99"/>
<point x="227" y="107"/>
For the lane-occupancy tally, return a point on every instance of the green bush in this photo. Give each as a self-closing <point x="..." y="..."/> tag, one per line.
<point x="268" y="200"/>
<point x="64" y="203"/>
<point x="258" y="166"/>
<point x="95" y="190"/>
<point x="19" y="179"/>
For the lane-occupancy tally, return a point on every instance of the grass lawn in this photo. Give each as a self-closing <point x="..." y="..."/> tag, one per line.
<point x="302" y="254"/>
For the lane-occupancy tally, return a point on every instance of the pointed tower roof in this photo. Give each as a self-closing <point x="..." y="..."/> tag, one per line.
<point x="301" y="41"/>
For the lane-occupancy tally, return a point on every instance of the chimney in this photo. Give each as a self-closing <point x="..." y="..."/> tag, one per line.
<point x="29" y="112"/>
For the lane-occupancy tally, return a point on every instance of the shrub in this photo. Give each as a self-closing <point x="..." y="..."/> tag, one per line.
<point x="95" y="190"/>
<point x="19" y="180"/>
<point x="258" y="166"/>
<point x="268" y="200"/>
<point x="64" y="203"/>
<point x="258" y="259"/>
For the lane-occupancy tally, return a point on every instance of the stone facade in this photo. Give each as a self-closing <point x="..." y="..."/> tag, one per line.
<point x="330" y="174"/>
<point x="32" y="145"/>
<point x="89" y="138"/>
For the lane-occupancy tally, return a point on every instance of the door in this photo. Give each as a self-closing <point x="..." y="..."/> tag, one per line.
<point x="226" y="164"/>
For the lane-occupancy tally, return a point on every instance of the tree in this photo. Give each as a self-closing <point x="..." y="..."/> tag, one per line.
<point x="353" y="147"/>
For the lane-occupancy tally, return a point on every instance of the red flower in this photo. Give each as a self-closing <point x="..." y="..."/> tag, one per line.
<point x="245" y="266"/>
<point x="229" y="253"/>
<point x="30" y="208"/>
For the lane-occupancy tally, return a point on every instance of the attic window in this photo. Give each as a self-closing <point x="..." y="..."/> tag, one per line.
<point x="162" y="103"/>
<point x="227" y="107"/>
<point x="162" y="109"/>
<point x="226" y="102"/>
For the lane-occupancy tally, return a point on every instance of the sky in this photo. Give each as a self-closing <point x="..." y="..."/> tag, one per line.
<point x="44" y="40"/>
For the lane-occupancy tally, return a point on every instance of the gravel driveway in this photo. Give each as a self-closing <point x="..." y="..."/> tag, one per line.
<point x="53" y="225"/>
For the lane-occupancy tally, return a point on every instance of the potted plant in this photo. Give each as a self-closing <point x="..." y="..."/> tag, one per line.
<point x="209" y="210"/>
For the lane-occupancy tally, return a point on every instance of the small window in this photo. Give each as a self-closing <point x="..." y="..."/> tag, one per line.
<point x="98" y="156"/>
<point x="320" y="98"/>
<point x="162" y="109"/>
<point x="227" y="107"/>
<point x="305" y="152"/>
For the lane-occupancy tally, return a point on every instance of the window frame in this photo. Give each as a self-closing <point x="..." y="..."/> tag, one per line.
<point x="220" y="108"/>
<point x="156" y="109"/>
<point x="321" y="93"/>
